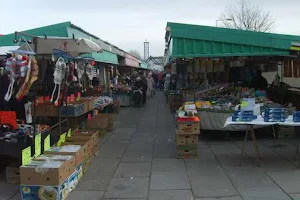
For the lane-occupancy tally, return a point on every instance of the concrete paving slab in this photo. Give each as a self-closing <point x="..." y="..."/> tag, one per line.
<point x="90" y="195"/>
<point x="168" y="165"/>
<point x="125" y="130"/>
<point x="166" y="150"/>
<point x="169" y="181"/>
<point x="263" y="193"/>
<point x="127" y="170"/>
<point x="252" y="177"/>
<point x="212" y="186"/>
<point x="123" y="136"/>
<point x="203" y="167"/>
<point x="222" y="198"/>
<point x="93" y="182"/>
<point x="170" y="195"/>
<point x="225" y="149"/>
<point x="103" y="166"/>
<point x="8" y="190"/>
<point x="140" y="146"/>
<point x="295" y="196"/>
<point x="127" y="188"/>
<point x="233" y="160"/>
<point x="288" y="181"/>
<point x="137" y="156"/>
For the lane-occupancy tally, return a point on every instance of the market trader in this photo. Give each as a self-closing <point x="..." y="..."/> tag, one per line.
<point x="260" y="82"/>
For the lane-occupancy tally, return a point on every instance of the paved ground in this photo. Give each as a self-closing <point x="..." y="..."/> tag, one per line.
<point x="137" y="162"/>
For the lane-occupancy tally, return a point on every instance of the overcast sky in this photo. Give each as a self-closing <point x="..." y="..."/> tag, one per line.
<point x="127" y="24"/>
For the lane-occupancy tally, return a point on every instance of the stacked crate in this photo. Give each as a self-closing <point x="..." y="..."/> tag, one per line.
<point x="187" y="137"/>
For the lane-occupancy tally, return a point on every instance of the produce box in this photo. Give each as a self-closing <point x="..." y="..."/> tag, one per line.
<point x="34" y="192"/>
<point x="186" y="154"/>
<point x="188" y="126"/>
<point x="187" y="147"/>
<point x="186" y="139"/>
<point x="46" y="109"/>
<point x="109" y="116"/>
<point x="45" y="173"/>
<point x="12" y="174"/>
<point x="73" y="181"/>
<point x="97" y="124"/>
<point x="69" y="159"/>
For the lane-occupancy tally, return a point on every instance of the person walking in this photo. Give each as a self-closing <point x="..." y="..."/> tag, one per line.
<point x="150" y="84"/>
<point x="160" y="78"/>
<point x="145" y="86"/>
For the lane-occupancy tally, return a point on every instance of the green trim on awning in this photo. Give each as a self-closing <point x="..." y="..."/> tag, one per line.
<point x="185" y="40"/>
<point x="143" y="65"/>
<point x="56" y="30"/>
<point x="105" y="57"/>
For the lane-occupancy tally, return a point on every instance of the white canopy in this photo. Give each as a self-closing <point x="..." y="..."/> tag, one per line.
<point x="6" y="49"/>
<point x="74" y="47"/>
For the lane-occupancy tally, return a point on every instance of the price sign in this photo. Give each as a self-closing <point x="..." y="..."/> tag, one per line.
<point x="47" y="143"/>
<point x="244" y="104"/>
<point x="70" y="133"/>
<point x="38" y="145"/>
<point x="61" y="139"/>
<point x="26" y="156"/>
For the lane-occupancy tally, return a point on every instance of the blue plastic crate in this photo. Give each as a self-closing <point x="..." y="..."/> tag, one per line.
<point x="72" y="110"/>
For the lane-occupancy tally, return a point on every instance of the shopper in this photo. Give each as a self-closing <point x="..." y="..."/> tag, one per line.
<point x="145" y="86"/>
<point x="160" y="78"/>
<point x="260" y="82"/>
<point x="150" y="84"/>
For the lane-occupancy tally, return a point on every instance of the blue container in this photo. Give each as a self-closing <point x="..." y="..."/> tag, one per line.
<point x="296" y="119"/>
<point x="296" y="114"/>
<point x="243" y="113"/>
<point x="274" y="110"/>
<point x="73" y="110"/>
<point x="242" y="119"/>
<point x="274" y="119"/>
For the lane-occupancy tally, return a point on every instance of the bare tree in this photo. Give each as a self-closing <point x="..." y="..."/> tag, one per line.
<point x="136" y="54"/>
<point x="246" y="16"/>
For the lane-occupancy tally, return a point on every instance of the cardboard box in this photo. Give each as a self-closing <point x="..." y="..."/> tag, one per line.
<point x="75" y="150"/>
<point x="97" y="123"/>
<point x="189" y="128"/>
<point x="186" y="154"/>
<point x="45" y="173"/>
<point x="12" y="175"/>
<point x="45" y="192"/>
<point x="46" y="109"/>
<point x="110" y="118"/>
<point x="73" y="181"/>
<point x="85" y="145"/>
<point x="68" y="159"/>
<point x="186" y="139"/>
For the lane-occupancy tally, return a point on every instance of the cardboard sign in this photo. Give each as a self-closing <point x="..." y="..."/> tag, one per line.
<point x="47" y="143"/>
<point x="26" y="156"/>
<point x="72" y="98"/>
<point x="69" y="133"/>
<point x="38" y="145"/>
<point x="62" y="139"/>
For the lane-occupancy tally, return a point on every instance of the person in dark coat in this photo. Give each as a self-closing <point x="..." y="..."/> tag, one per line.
<point x="259" y="82"/>
<point x="145" y="86"/>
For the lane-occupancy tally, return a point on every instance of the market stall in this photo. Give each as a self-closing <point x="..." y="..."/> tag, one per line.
<point x="218" y="72"/>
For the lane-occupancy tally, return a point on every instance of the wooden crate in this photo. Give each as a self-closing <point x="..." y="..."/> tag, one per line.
<point x="13" y="175"/>
<point x="186" y="139"/>
<point x="187" y="154"/>
<point x="286" y="132"/>
<point x="189" y="128"/>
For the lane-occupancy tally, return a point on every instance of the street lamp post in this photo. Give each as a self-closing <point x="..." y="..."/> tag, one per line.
<point x="222" y="20"/>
